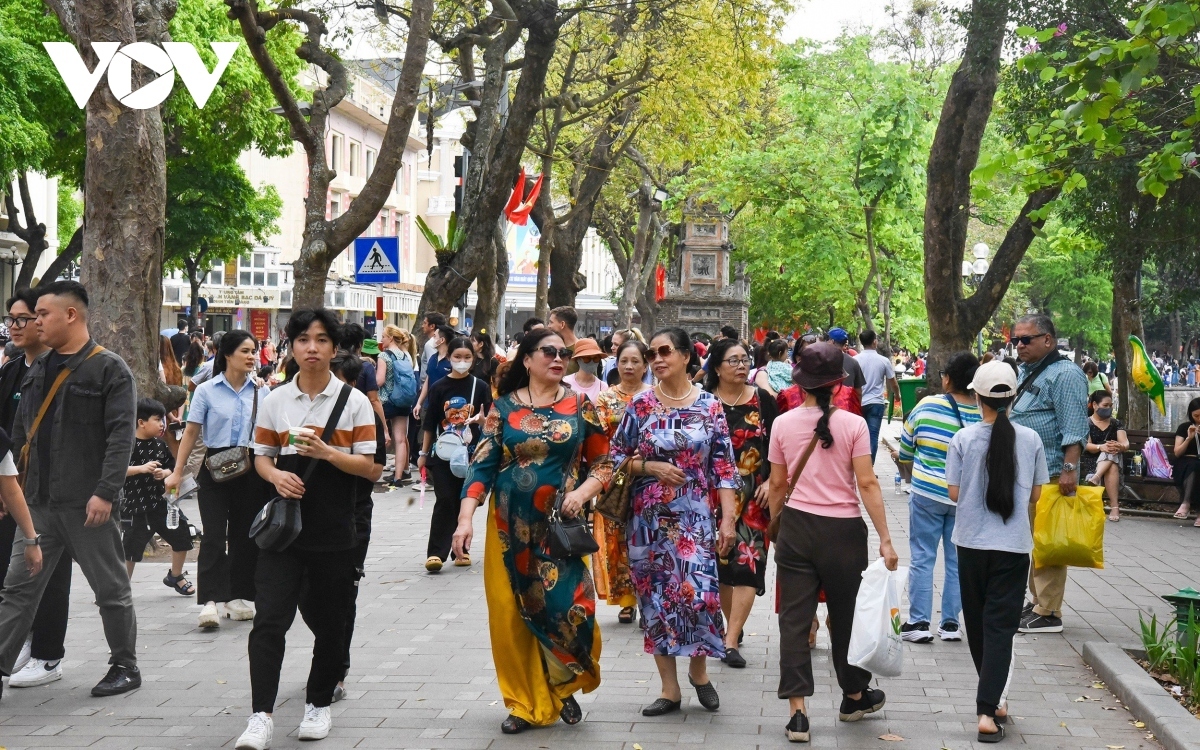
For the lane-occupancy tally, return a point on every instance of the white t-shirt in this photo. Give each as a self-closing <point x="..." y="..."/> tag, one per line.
<point x="877" y="370"/>
<point x="8" y="467"/>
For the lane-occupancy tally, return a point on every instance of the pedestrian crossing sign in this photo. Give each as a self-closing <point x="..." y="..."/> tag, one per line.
<point x="377" y="260"/>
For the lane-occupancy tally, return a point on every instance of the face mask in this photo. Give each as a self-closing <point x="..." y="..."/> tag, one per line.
<point x="461" y="367"/>
<point x="1104" y="413"/>
<point x="590" y="368"/>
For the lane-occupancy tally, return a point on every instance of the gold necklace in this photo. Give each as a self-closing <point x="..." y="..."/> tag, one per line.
<point x="737" y="402"/>
<point x="663" y="391"/>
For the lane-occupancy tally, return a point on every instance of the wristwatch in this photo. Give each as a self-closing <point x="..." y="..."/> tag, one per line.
<point x="35" y="542"/>
<point x="422" y="453"/>
<point x="1067" y="466"/>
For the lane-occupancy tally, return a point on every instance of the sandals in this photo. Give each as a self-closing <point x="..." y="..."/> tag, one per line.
<point x="625" y="616"/>
<point x="707" y="694"/>
<point x="992" y="737"/>
<point x="1183" y="511"/>
<point x="514" y="725"/>
<point x="571" y="713"/>
<point x="180" y="584"/>
<point x="661" y="707"/>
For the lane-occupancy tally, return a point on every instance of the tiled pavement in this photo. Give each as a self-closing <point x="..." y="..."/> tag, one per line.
<point x="423" y="675"/>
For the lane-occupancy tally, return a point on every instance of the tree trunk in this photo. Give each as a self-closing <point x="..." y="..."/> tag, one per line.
<point x="635" y="275"/>
<point x="193" y="273"/>
<point x="491" y="284"/>
<point x="445" y="284"/>
<point x="125" y="179"/>
<point x="65" y="257"/>
<point x="30" y="230"/>
<point x="953" y="320"/>
<point x="1134" y="406"/>
<point x="1176" y="335"/>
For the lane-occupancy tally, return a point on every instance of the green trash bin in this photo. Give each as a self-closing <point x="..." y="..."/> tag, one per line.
<point x="908" y="393"/>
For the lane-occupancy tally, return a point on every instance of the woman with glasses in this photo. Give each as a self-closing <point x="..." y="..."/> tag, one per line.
<point x="225" y="407"/>
<point x="611" y="563"/>
<point x="750" y="412"/>
<point x="681" y="439"/>
<point x="539" y="437"/>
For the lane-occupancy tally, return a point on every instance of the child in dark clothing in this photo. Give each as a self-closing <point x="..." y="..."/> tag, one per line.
<point x="144" y="510"/>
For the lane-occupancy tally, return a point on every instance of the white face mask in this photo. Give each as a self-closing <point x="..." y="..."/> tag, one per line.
<point x="460" y="366"/>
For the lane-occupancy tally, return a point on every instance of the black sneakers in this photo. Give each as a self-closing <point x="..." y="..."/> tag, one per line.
<point x="949" y="631"/>
<point x="118" y="680"/>
<point x="916" y="632"/>
<point x="1035" y="623"/>
<point x="869" y="702"/>
<point x="797" y="728"/>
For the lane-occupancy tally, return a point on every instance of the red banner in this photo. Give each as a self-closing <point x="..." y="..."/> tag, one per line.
<point x="660" y="283"/>
<point x="260" y="324"/>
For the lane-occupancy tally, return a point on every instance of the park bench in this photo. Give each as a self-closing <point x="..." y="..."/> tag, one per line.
<point x="1148" y="489"/>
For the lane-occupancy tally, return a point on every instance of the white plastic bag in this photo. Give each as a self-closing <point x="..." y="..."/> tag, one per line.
<point x="875" y="643"/>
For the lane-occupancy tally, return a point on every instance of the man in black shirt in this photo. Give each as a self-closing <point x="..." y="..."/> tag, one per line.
<point x="40" y="661"/>
<point x="181" y="342"/>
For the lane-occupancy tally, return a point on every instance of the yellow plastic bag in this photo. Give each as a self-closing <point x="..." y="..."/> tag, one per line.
<point x="1069" y="530"/>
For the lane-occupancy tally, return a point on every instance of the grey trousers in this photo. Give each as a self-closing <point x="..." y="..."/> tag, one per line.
<point x="99" y="554"/>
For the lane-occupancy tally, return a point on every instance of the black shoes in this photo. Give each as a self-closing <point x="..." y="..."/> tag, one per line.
<point x="733" y="658"/>
<point x="916" y="632"/>
<point x="868" y="703"/>
<point x="118" y="680"/>
<point x="707" y="694"/>
<point x="661" y="707"/>
<point x="1035" y="623"/>
<point x="514" y="725"/>
<point x="797" y="728"/>
<point x="571" y="713"/>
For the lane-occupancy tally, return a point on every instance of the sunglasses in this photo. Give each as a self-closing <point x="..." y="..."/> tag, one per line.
<point x="554" y="352"/>
<point x="663" y="351"/>
<point x="1025" y="340"/>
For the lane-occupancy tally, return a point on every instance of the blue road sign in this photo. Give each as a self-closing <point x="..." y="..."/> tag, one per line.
<point x="377" y="260"/>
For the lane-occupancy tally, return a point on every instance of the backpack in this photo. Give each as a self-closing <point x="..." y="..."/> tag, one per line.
<point x="401" y="383"/>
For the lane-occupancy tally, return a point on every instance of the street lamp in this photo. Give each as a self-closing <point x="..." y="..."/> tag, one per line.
<point x="973" y="273"/>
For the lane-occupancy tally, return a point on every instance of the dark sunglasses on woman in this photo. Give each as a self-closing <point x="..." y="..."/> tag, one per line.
<point x="553" y="352"/>
<point x="663" y="351"/>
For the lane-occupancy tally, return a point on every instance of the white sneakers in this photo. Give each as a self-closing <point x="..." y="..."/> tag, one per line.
<point x="260" y="729"/>
<point x="209" y="617"/>
<point x="36" y="672"/>
<point x="23" y="657"/>
<point x="258" y="733"/>
<point x="317" y="723"/>
<point x="239" y="609"/>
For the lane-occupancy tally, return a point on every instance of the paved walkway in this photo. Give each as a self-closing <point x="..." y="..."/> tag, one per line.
<point x="423" y="675"/>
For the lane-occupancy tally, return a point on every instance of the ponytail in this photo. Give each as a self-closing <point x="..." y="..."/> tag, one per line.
<point x="823" y="397"/>
<point x="1001" y="459"/>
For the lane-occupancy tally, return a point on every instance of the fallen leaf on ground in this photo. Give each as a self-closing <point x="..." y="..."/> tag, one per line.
<point x="221" y="682"/>
<point x="1099" y="686"/>
<point x="1149" y="735"/>
<point x="1115" y="747"/>
<point x="641" y="682"/>
<point x="1062" y="723"/>
<point x="1139" y="724"/>
<point x="637" y="746"/>
<point x="1082" y="699"/>
<point x="891" y="738"/>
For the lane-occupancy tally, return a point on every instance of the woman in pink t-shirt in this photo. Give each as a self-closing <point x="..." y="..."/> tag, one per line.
<point x="819" y="535"/>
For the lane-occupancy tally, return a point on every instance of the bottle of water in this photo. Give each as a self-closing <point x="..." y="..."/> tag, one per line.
<point x="172" y="511"/>
<point x="898" y="483"/>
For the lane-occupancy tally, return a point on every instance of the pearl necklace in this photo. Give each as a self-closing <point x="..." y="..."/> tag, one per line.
<point x="663" y="391"/>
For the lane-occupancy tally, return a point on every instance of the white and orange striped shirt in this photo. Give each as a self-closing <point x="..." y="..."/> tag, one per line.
<point x="287" y="406"/>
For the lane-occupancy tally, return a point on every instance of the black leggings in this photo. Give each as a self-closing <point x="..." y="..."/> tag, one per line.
<point x="993" y="587"/>
<point x="447" y="490"/>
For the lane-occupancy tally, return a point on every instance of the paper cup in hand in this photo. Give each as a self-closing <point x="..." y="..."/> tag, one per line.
<point x="300" y="435"/>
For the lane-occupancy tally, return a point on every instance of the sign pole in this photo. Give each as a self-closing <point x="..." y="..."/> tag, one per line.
<point x="378" y="310"/>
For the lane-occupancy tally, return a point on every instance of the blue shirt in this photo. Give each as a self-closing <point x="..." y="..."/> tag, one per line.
<point x="1055" y="407"/>
<point x="224" y="413"/>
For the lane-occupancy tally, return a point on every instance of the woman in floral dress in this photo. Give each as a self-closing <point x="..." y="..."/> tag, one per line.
<point x="611" y="564"/>
<point x="750" y="412"/>
<point x="541" y="610"/>
<point x="682" y="440"/>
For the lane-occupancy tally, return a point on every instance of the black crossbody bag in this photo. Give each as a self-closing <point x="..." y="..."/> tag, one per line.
<point x="278" y="524"/>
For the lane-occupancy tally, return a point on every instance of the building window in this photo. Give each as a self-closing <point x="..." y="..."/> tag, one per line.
<point x="285" y="298"/>
<point x="216" y="277"/>
<point x="335" y="152"/>
<point x="272" y="279"/>
<point x="335" y="207"/>
<point x="259" y="278"/>
<point x="260" y="260"/>
<point x="370" y="162"/>
<point x="244" y="278"/>
<point x="354" y="148"/>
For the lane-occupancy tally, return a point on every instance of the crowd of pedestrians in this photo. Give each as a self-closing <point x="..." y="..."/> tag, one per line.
<point x="726" y="451"/>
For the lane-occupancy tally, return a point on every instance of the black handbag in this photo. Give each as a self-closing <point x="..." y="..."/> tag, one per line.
<point x="278" y="523"/>
<point x="232" y="463"/>
<point x="570" y="537"/>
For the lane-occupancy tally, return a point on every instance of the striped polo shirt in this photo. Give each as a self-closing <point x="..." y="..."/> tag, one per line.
<point x="925" y="438"/>
<point x="287" y="406"/>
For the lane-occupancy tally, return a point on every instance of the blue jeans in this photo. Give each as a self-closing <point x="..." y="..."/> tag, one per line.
<point x="929" y="522"/>
<point x="873" y="413"/>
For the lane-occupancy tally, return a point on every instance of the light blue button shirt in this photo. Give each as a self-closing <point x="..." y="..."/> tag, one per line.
<point x="225" y="413"/>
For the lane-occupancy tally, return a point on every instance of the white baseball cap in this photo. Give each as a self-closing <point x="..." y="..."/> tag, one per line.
<point x="995" y="379"/>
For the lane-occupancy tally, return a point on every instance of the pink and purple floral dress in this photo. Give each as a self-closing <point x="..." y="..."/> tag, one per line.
<point x="673" y="531"/>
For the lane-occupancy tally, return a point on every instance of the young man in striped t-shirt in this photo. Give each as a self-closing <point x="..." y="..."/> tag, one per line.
<point x="923" y="443"/>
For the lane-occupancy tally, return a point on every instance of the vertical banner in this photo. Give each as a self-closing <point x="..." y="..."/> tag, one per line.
<point x="260" y="324"/>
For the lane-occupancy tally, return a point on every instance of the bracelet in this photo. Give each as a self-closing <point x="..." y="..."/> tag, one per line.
<point x="643" y="467"/>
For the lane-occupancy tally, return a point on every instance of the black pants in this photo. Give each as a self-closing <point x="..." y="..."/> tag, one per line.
<point x="447" y="491"/>
<point x="324" y="581"/>
<point x="227" y="510"/>
<point x="306" y="604"/>
<point x="993" y="589"/>
<point x="814" y="553"/>
<point x="50" y="622"/>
